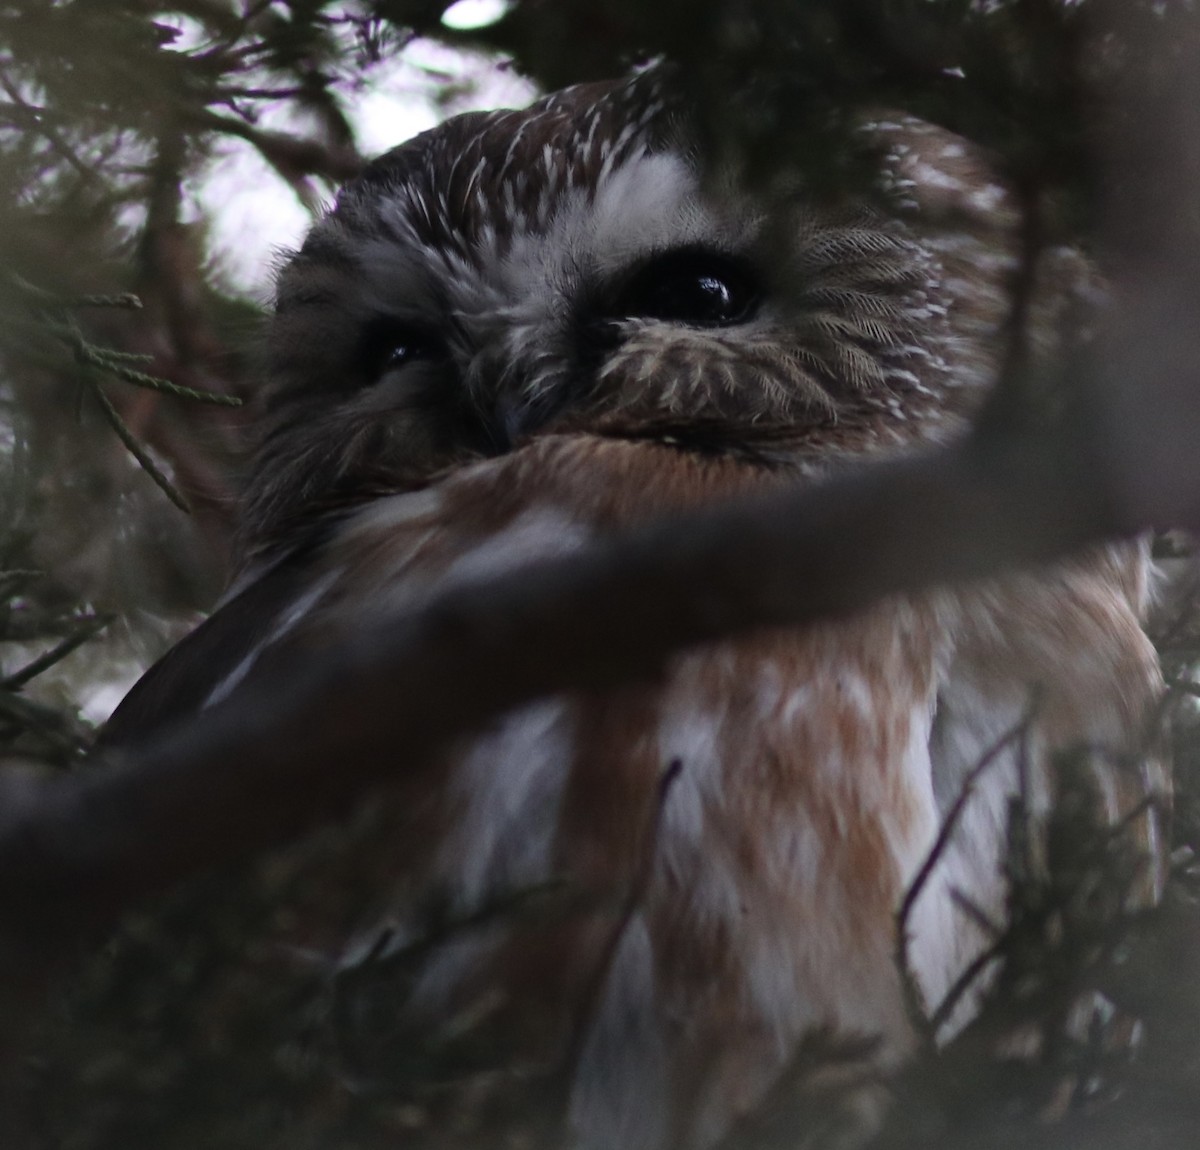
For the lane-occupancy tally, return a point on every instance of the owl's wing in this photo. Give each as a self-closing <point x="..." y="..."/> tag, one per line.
<point x="354" y="564"/>
<point x="184" y="680"/>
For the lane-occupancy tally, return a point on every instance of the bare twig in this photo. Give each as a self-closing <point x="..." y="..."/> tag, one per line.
<point x="136" y="449"/>
<point x="923" y="1022"/>
<point x="52" y="136"/>
<point x="87" y="627"/>
<point x="966" y="979"/>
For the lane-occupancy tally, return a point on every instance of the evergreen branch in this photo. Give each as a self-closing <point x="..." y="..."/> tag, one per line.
<point x="115" y="365"/>
<point x="45" y="722"/>
<point x="126" y="356"/>
<point x="14" y="578"/>
<point x="89" y="626"/>
<point x="47" y="131"/>
<point x="137" y="450"/>
<point x="125" y="300"/>
<point x="112" y="361"/>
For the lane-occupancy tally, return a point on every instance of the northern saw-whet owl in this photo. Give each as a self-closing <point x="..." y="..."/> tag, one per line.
<point x="526" y="331"/>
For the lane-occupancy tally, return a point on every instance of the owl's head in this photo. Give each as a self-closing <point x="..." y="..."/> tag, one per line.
<point x="579" y="266"/>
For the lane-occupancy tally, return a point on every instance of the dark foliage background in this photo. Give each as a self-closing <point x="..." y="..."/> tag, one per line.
<point x="215" y="1019"/>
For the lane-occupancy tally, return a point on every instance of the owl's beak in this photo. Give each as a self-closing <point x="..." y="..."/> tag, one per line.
<point x="510" y="422"/>
<point x="515" y="417"/>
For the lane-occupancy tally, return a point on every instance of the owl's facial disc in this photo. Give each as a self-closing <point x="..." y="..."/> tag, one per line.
<point x="578" y="267"/>
<point x="489" y="397"/>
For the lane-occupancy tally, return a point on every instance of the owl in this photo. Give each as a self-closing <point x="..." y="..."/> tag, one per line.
<point x="526" y="332"/>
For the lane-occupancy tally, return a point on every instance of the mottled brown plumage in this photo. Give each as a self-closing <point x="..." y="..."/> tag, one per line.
<point x="526" y="331"/>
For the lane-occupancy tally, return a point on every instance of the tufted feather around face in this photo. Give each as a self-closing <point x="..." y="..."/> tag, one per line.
<point x="576" y="266"/>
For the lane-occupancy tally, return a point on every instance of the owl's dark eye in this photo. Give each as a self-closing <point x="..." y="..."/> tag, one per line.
<point x="693" y="286"/>
<point x="388" y="344"/>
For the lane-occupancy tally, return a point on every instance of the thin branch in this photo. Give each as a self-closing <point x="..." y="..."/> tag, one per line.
<point x="52" y="137"/>
<point x="633" y="901"/>
<point x="288" y="155"/>
<point x="135" y="448"/>
<point x="914" y="998"/>
<point x="969" y="907"/>
<point x="25" y="714"/>
<point x="43" y="298"/>
<point x="87" y="627"/>
<point x="973" y="970"/>
<point x="50" y="314"/>
<point x="114" y="364"/>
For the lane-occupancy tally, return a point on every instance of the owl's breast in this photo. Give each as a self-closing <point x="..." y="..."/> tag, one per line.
<point x="664" y="886"/>
<point x="660" y="890"/>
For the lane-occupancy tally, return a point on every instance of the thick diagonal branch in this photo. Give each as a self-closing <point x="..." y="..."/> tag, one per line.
<point x="278" y="759"/>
